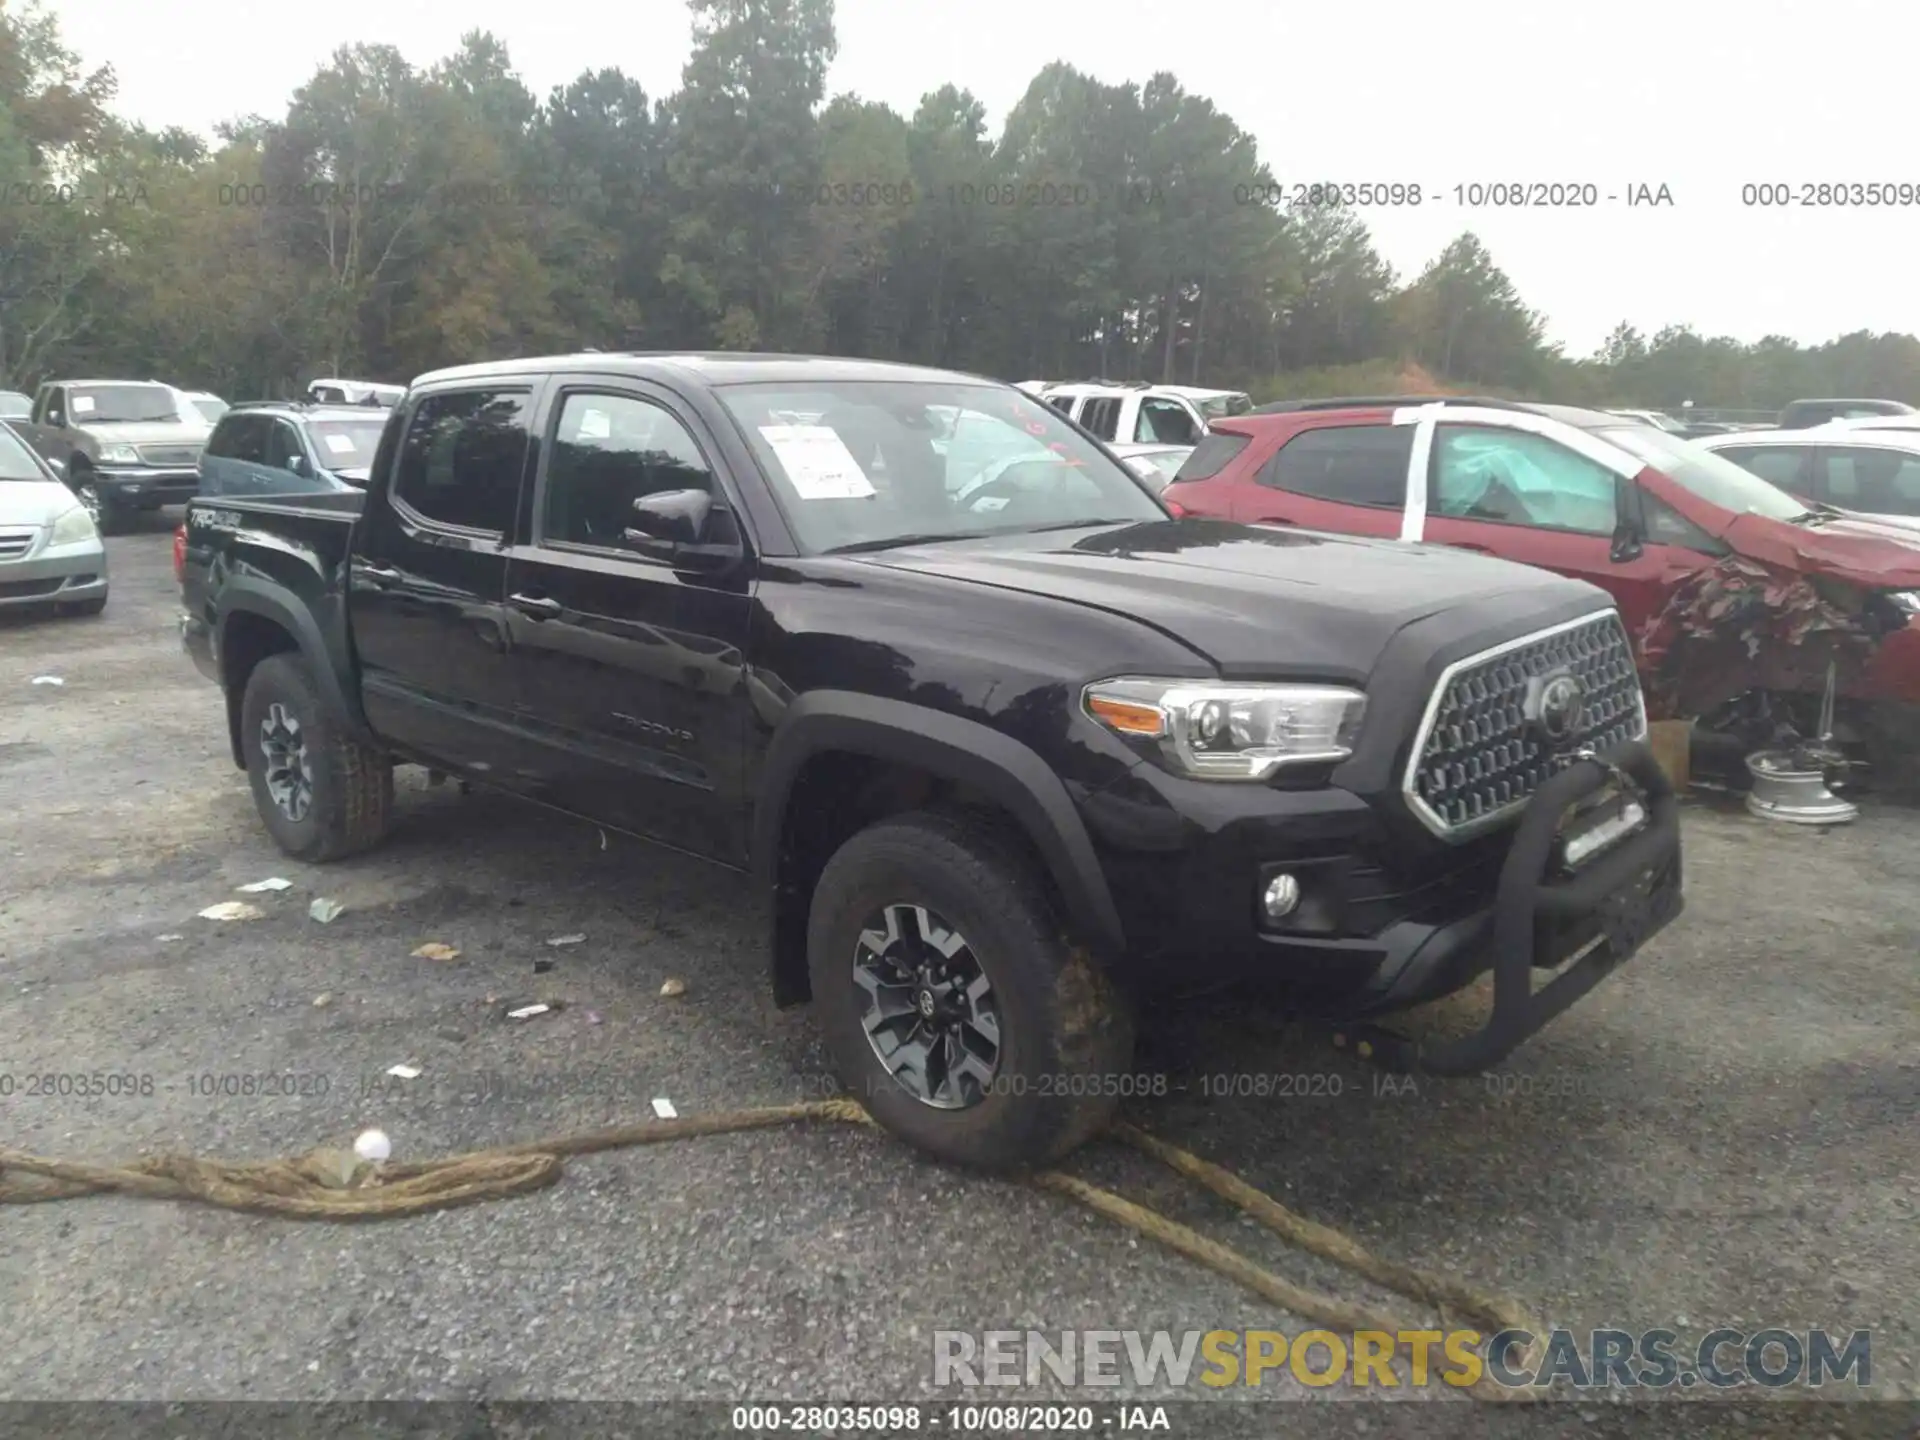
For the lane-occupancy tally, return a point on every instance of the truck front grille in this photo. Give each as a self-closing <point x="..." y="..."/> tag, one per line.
<point x="170" y="454"/>
<point x="1482" y="748"/>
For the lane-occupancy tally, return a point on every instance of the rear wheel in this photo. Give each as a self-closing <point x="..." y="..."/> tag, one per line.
<point x="321" y="793"/>
<point x="956" y="1011"/>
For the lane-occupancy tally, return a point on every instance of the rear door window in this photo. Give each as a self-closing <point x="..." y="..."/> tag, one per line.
<point x="461" y="461"/>
<point x="1349" y="464"/>
<point x="1101" y="415"/>
<point x="1871" y="479"/>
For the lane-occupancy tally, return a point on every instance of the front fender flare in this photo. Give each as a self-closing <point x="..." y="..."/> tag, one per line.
<point x="965" y="751"/>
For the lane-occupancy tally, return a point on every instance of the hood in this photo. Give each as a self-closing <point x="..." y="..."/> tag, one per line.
<point x="147" y="432"/>
<point x="1876" y="552"/>
<point x="1254" y="601"/>
<point x="33" y="502"/>
<point x="357" y="475"/>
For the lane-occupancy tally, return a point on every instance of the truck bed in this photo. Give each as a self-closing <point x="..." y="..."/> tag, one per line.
<point x="300" y="542"/>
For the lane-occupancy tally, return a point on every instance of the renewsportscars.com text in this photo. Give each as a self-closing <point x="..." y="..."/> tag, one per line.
<point x="1384" y="1359"/>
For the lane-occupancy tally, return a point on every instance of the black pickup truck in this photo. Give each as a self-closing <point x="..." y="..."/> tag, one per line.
<point x="1007" y="747"/>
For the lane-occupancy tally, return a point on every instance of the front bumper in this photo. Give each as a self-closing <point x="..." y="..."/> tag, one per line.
<point x="140" y="487"/>
<point x="1387" y="923"/>
<point x="55" y="574"/>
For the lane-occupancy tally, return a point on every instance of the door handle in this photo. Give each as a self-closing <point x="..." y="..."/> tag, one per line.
<point x="379" y="574"/>
<point x="535" y="607"/>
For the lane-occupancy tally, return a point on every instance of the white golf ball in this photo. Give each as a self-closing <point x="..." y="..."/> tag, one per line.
<point x="373" y="1145"/>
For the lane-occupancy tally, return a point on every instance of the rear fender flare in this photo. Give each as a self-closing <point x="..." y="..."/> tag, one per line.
<point x="245" y="595"/>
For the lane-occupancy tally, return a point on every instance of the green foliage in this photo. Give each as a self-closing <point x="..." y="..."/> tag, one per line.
<point x="395" y="219"/>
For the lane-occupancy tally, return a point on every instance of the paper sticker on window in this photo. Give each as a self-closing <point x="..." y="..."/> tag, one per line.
<point x="818" y="462"/>
<point x="990" y="503"/>
<point x="82" y="404"/>
<point x="594" y="425"/>
<point x="339" y="444"/>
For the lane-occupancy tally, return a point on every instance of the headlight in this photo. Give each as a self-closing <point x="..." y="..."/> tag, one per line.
<point x="1215" y="730"/>
<point x="1907" y="602"/>
<point x="119" y="455"/>
<point x="70" y="527"/>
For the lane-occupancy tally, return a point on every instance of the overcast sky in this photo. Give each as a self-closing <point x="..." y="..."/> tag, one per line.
<point x="1703" y="97"/>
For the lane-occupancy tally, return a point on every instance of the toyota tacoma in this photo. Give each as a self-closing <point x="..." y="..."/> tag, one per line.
<point x="1005" y="758"/>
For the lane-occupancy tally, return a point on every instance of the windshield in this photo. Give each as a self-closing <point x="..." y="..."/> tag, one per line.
<point x="16" y="461"/>
<point x="125" y="404"/>
<point x="211" y="408"/>
<point x="865" y="471"/>
<point x="1714" y="478"/>
<point x="14" y="405"/>
<point x="346" y="444"/>
<point x="1214" y="406"/>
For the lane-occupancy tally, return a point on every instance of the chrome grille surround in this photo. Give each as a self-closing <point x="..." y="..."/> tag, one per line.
<point x="169" y="454"/>
<point x="1475" y="760"/>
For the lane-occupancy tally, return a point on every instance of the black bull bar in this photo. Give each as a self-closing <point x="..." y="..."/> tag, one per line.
<point x="1632" y="890"/>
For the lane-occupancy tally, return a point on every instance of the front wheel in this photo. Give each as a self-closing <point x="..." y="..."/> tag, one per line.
<point x="956" y="1011"/>
<point x="322" y="794"/>
<point x="86" y="490"/>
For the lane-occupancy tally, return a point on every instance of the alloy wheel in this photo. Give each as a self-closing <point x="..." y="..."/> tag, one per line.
<point x="289" y="776"/>
<point x="929" y="1010"/>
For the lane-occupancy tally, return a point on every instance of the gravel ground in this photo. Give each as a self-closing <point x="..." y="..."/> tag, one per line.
<point x="1723" y="1134"/>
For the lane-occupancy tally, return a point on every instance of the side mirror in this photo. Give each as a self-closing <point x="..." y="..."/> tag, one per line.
<point x="676" y="516"/>
<point x="297" y="464"/>
<point x="1627" y="545"/>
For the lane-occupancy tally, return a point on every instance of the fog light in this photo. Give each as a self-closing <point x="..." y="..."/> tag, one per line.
<point x="1281" y="897"/>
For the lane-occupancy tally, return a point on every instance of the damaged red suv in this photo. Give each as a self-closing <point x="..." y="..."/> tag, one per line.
<point x="1741" y="599"/>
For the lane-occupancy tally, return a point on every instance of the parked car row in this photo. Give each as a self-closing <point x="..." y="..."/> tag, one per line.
<point x="1627" y="506"/>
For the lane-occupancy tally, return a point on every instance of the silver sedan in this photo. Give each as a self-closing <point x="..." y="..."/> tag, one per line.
<point x="50" y="551"/>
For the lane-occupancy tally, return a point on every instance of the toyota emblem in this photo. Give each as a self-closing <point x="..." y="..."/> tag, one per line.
<point x="1558" y="703"/>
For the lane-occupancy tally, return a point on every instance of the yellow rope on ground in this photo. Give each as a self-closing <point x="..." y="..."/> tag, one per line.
<point x="329" y="1185"/>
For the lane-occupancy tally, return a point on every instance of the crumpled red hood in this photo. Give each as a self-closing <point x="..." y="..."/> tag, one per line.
<point x="1872" y="554"/>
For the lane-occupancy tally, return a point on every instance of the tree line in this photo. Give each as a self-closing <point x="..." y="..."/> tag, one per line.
<point x="395" y="219"/>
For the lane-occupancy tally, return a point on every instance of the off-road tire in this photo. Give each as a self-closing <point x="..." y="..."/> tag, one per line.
<point x="1067" y="1040"/>
<point x="352" y="800"/>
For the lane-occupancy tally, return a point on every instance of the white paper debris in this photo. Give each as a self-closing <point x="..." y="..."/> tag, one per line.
<point x="373" y="1145"/>
<point x="527" y="1012"/>
<point x="404" y="1072"/>
<point x="434" y="950"/>
<point x="48" y="680"/>
<point x="663" y="1107"/>
<point x="326" y="911"/>
<point x="231" y="910"/>
<point x="674" y="987"/>
<point x="566" y="940"/>
<point x="260" y="887"/>
<point x="164" y="939"/>
<point x="818" y="462"/>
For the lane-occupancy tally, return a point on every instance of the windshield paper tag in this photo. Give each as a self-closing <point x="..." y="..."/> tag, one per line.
<point x="82" y="404"/>
<point x="818" y="462"/>
<point x="339" y="444"/>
